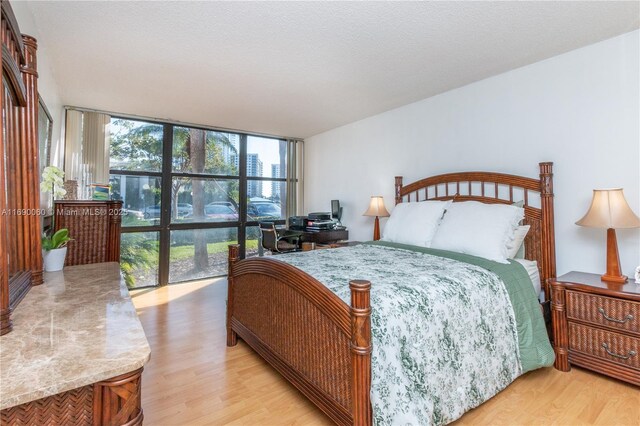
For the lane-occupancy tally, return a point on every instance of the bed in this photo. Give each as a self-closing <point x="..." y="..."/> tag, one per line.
<point x="318" y="335"/>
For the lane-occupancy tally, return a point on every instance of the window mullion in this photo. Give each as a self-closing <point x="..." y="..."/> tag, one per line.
<point x="165" y="197"/>
<point x="242" y="190"/>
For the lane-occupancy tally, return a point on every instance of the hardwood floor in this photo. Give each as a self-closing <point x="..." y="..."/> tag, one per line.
<point x="194" y="379"/>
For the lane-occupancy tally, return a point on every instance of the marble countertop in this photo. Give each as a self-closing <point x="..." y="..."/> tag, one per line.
<point x="78" y="328"/>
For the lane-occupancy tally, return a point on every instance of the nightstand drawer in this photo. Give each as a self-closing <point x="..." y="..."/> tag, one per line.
<point x="612" y="313"/>
<point x="607" y="345"/>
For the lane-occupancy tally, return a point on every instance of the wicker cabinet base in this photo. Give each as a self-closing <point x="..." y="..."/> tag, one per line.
<point x="114" y="402"/>
<point x="74" y="407"/>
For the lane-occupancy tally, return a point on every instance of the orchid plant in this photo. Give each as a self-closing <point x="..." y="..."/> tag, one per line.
<point x="53" y="182"/>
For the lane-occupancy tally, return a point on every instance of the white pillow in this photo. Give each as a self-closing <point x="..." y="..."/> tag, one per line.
<point x="515" y="248"/>
<point x="414" y="223"/>
<point x="479" y="229"/>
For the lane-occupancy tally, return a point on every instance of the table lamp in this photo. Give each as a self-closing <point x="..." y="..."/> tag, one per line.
<point x="377" y="209"/>
<point x="610" y="210"/>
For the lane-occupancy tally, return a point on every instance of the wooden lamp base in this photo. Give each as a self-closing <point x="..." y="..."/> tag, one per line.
<point x="376" y="229"/>
<point x="613" y="274"/>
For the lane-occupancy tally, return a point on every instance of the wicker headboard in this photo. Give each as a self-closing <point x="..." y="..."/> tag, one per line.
<point x="489" y="187"/>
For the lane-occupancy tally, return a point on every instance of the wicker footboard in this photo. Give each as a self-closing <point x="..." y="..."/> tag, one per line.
<point x="315" y="340"/>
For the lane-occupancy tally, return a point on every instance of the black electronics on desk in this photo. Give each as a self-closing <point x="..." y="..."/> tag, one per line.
<point x="298" y="223"/>
<point x="314" y="222"/>
<point x="319" y="221"/>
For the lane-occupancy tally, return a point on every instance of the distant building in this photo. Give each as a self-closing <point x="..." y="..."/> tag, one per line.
<point x="275" y="170"/>
<point x="254" y="168"/>
<point x="229" y="154"/>
<point x="275" y="186"/>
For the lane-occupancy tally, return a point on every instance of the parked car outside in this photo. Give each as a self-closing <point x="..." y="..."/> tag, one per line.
<point x="220" y="213"/>
<point x="185" y="210"/>
<point x="153" y="212"/>
<point x="260" y="210"/>
<point x="221" y="203"/>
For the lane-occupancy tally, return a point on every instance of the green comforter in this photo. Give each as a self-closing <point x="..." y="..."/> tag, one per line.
<point x="449" y="330"/>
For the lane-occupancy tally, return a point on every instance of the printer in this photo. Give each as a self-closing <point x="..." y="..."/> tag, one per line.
<point x="319" y="221"/>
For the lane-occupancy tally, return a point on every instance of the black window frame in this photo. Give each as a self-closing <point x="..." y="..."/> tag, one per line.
<point x="166" y="175"/>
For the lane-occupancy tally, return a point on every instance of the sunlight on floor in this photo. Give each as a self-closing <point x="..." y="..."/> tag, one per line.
<point x="155" y="296"/>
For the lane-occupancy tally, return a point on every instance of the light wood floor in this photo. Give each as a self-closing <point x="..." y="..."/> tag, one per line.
<point x="194" y="379"/>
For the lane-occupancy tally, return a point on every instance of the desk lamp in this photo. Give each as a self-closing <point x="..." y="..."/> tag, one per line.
<point x="377" y="209"/>
<point x="610" y="210"/>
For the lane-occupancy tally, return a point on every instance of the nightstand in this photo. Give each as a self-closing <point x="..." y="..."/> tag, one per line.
<point x="596" y="325"/>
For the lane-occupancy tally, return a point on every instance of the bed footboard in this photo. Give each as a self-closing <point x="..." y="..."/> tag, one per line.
<point x="315" y="340"/>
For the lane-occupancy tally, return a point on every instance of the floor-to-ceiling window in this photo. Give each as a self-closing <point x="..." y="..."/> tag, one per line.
<point x="190" y="192"/>
<point x="135" y="162"/>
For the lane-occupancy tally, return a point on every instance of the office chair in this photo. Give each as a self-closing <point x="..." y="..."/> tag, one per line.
<point x="277" y="244"/>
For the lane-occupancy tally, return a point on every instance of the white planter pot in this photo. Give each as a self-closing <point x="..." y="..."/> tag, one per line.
<point x="54" y="259"/>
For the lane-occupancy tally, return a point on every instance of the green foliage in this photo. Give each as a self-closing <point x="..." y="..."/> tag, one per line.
<point x="130" y="220"/>
<point x="137" y="253"/>
<point x="56" y="241"/>
<point x="186" y="251"/>
<point x="214" y="161"/>
<point x="190" y="155"/>
<point x="136" y="146"/>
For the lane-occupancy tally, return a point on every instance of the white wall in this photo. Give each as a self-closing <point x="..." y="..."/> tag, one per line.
<point x="47" y="86"/>
<point x="579" y="110"/>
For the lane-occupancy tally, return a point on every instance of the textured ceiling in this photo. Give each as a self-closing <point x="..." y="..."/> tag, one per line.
<point x="298" y="69"/>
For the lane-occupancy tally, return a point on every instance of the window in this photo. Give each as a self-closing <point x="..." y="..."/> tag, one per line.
<point x="135" y="162"/>
<point x="204" y="200"/>
<point x="135" y="146"/>
<point x="139" y="258"/>
<point x="140" y="197"/>
<point x="205" y="151"/>
<point x="190" y="192"/>
<point x="199" y="253"/>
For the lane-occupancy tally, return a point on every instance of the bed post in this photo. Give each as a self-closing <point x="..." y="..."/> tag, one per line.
<point x="548" y="232"/>
<point x="398" y="189"/>
<point x="361" y="352"/>
<point x="232" y="337"/>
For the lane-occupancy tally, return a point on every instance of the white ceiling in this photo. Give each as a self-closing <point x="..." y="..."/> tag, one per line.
<point x="298" y="69"/>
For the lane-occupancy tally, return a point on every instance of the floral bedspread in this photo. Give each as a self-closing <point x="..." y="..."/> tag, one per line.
<point x="444" y="331"/>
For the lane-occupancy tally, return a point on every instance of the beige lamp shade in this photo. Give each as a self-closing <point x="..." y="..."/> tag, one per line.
<point x="609" y="209"/>
<point x="376" y="207"/>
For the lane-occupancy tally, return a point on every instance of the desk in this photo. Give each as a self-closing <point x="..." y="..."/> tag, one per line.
<point x="324" y="237"/>
<point x="318" y="237"/>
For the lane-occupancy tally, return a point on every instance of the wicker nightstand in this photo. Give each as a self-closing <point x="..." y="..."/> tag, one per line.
<point x="596" y="325"/>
